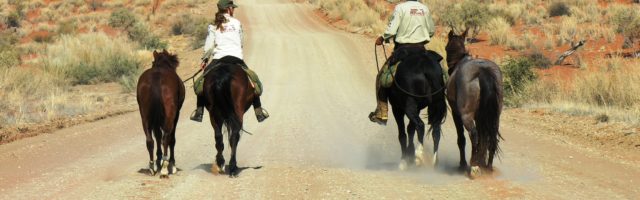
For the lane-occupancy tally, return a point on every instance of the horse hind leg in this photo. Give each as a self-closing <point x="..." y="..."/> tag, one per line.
<point x="233" y="141"/>
<point x="457" y="120"/>
<point x="149" y="141"/>
<point x="168" y="129"/>
<point x="218" y="167"/>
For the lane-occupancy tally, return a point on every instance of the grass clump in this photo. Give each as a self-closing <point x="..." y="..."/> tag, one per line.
<point x="75" y="62"/>
<point x="196" y="27"/>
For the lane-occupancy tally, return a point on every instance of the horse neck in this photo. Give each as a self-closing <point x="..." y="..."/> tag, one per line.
<point x="454" y="58"/>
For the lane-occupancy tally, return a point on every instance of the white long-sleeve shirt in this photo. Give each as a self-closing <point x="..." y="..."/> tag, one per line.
<point x="411" y="22"/>
<point x="227" y="42"/>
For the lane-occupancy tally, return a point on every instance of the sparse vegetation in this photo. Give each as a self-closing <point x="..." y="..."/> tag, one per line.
<point x="137" y="30"/>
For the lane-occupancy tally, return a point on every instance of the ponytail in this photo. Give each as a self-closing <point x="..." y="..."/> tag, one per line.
<point x="220" y="19"/>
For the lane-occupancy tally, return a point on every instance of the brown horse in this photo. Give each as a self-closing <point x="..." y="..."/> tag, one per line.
<point x="474" y="92"/>
<point x="229" y="95"/>
<point x="160" y="96"/>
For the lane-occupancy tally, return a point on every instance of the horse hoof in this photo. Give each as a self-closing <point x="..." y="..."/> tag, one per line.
<point x="419" y="155"/>
<point x="164" y="176"/>
<point x="403" y="165"/>
<point x="152" y="170"/>
<point x="217" y="169"/>
<point x="475" y="172"/>
<point x="435" y="159"/>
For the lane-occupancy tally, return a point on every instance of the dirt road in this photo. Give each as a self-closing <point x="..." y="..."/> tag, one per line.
<point x="318" y="143"/>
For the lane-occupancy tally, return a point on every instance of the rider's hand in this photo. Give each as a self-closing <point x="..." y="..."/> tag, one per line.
<point x="379" y="40"/>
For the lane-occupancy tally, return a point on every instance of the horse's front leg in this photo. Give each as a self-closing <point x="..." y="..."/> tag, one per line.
<point x="462" y="140"/>
<point x="398" y="114"/>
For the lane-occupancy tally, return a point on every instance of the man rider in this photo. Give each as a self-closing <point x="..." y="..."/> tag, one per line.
<point x="411" y="26"/>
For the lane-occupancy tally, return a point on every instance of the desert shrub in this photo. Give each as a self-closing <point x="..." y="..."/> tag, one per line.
<point x="9" y="54"/>
<point x="72" y="60"/>
<point x="538" y="59"/>
<point x="558" y="8"/>
<point x="16" y="16"/>
<point x="468" y="14"/>
<point x="196" y="27"/>
<point x="122" y="18"/>
<point x="517" y="75"/>
<point x="136" y="30"/>
<point x="626" y="21"/>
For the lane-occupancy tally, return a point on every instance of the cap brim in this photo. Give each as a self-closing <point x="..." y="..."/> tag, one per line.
<point x="234" y="5"/>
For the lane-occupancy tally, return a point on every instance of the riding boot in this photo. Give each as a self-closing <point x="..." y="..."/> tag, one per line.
<point x="261" y="114"/>
<point x="197" y="114"/>
<point x="380" y="114"/>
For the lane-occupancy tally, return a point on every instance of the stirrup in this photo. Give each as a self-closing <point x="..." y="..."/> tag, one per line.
<point x="262" y="115"/>
<point x="376" y="119"/>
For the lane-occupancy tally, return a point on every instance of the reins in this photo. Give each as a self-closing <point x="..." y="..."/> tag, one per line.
<point x="395" y="80"/>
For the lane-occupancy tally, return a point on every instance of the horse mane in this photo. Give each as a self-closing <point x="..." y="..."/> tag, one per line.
<point x="165" y="59"/>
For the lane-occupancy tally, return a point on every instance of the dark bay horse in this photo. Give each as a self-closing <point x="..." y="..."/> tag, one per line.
<point x="229" y="95"/>
<point x="418" y="83"/>
<point x="160" y="94"/>
<point x="474" y="92"/>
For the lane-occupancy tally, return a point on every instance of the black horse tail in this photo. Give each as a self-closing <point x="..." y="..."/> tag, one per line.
<point x="224" y="101"/>
<point x="490" y="107"/>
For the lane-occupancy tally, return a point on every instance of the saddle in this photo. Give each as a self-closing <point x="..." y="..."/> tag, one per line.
<point x="253" y="77"/>
<point x="386" y="77"/>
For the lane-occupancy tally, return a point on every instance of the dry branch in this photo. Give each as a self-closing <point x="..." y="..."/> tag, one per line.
<point x="569" y="52"/>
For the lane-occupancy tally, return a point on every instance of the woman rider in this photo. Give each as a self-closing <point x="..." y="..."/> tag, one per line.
<point x="225" y="40"/>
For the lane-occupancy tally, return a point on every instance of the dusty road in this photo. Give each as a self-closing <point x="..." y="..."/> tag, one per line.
<point x="318" y="144"/>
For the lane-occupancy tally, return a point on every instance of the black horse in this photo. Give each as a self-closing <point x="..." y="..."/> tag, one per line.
<point x="160" y="94"/>
<point x="474" y="92"/>
<point x="229" y="95"/>
<point x="418" y="83"/>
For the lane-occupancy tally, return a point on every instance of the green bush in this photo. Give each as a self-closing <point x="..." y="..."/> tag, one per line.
<point x="517" y="75"/>
<point x="196" y="27"/>
<point x="122" y="18"/>
<point x="559" y="8"/>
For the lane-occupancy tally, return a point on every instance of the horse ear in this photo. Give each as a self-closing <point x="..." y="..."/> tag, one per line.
<point x="155" y="54"/>
<point x="451" y="33"/>
<point x="165" y="51"/>
<point x="464" y="35"/>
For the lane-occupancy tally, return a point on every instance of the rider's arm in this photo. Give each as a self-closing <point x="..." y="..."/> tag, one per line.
<point x="430" y="25"/>
<point x="394" y="23"/>
<point x="209" y="43"/>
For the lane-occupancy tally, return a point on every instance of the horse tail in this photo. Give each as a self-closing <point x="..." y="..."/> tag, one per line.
<point x="224" y="100"/>
<point x="490" y="107"/>
<point x="157" y="112"/>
